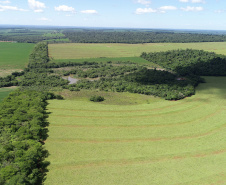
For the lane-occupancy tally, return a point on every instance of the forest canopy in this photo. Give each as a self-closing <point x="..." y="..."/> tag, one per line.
<point x="189" y="62"/>
<point x="91" y="35"/>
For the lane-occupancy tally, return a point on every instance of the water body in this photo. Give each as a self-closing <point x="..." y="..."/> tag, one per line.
<point x="71" y="80"/>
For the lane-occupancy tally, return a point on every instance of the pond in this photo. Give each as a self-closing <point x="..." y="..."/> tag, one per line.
<point x="71" y="80"/>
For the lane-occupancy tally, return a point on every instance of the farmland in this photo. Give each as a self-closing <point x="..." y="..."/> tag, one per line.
<point x="128" y="138"/>
<point x="14" y="55"/>
<point x="139" y="140"/>
<point x="83" y="51"/>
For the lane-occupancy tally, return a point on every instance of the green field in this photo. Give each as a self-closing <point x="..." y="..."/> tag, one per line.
<point x="137" y="139"/>
<point x="4" y="92"/>
<point x="82" y="51"/>
<point x="14" y="55"/>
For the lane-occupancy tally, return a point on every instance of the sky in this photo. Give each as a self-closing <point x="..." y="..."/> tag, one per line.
<point x="159" y="14"/>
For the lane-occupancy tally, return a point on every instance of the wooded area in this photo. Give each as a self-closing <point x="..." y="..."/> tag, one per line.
<point x="189" y="62"/>
<point x="23" y="132"/>
<point x="65" y="35"/>
<point x="140" y="37"/>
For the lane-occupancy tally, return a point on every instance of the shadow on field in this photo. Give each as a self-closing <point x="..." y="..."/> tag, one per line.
<point x="212" y="67"/>
<point x="214" y="73"/>
<point x="153" y="77"/>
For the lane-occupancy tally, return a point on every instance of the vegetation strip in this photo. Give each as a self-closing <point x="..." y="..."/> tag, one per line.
<point x="23" y="125"/>
<point x="23" y="132"/>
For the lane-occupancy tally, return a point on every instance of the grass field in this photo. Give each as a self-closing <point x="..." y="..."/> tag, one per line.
<point x="137" y="139"/>
<point x="5" y="91"/>
<point x="82" y="51"/>
<point x="14" y="55"/>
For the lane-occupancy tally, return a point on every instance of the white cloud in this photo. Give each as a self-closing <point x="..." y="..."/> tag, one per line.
<point x="39" y="11"/>
<point x="43" y="19"/>
<point x="192" y="9"/>
<point x="5" y="2"/>
<point x="89" y="11"/>
<point x="168" y="8"/>
<point x="219" y="11"/>
<point x="192" y="1"/>
<point x="197" y="1"/>
<point x="145" y="10"/>
<point x="144" y="2"/>
<point x="162" y="9"/>
<point x="13" y="8"/>
<point x="37" y="6"/>
<point x="184" y="1"/>
<point x="64" y="8"/>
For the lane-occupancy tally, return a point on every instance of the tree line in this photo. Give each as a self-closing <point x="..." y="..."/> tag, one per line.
<point x="97" y="36"/>
<point x="23" y="122"/>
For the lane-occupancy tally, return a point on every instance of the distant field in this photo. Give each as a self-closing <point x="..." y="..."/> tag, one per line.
<point x="82" y="51"/>
<point x="5" y="91"/>
<point x="136" y="139"/>
<point x="14" y="55"/>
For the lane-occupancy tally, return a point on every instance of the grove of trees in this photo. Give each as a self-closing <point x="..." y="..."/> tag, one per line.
<point x="189" y="62"/>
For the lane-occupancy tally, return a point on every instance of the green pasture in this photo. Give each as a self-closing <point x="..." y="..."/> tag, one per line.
<point x="84" y="51"/>
<point x="4" y="92"/>
<point x="138" y="139"/>
<point x="14" y="55"/>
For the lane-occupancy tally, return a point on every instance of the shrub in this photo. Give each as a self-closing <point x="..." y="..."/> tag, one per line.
<point x="96" y="98"/>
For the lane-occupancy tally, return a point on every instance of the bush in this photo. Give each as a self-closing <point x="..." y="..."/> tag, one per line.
<point x="96" y="98"/>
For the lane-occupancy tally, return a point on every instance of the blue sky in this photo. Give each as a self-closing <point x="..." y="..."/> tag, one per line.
<point x="167" y="14"/>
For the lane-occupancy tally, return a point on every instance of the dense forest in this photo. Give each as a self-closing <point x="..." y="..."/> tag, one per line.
<point x="31" y="35"/>
<point x="95" y="36"/>
<point x="131" y="36"/>
<point x="189" y="62"/>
